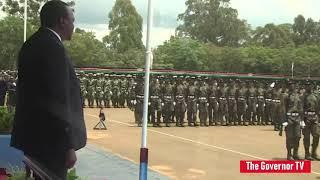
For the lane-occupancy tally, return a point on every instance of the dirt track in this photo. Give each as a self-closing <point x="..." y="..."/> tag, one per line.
<point x="204" y="153"/>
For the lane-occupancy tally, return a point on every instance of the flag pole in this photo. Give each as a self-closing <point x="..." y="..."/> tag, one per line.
<point x="25" y="21"/>
<point x="143" y="174"/>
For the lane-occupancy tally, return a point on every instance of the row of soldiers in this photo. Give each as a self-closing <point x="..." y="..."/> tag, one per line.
<point x="212" y="101"/>
<point x="99" y="89"/>
<point x="288" y="105"/>
<point x="7" y="88"/>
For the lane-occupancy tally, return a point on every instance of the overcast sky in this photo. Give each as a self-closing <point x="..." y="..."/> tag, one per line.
<point x="92" y="15"/>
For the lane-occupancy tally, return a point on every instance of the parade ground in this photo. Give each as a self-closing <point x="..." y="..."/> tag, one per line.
<point x="203" y="153"/>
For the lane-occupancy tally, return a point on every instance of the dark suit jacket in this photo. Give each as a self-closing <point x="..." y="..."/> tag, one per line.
<point x="49" y="115"/>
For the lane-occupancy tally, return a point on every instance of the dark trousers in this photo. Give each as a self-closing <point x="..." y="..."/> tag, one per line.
<point x="52" y="163"/>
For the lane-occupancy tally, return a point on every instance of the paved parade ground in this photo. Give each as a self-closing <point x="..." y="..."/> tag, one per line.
<point x="204" y="153"/>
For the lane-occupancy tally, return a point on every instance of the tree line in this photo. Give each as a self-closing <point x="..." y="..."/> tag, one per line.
<point x="210" y="37"/>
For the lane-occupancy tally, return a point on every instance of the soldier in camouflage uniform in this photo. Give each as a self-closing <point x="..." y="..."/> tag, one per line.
<point x="192" y="104"/>
<point x="223" y="104"/>
<point x="232" y="104"/>
<point x="138" y="102"/>
<point x="167" y="103"/>
<point x="213" y="103"/>
<point x="203" y="104"/>
<point x="115" y="89"/>
<point x="107" y="91"/>
<point x="276" y="107"/>
<point x="91" y="92"/>
<point x="293" y="122"/>
<point x="311" y="120"/>
<point x="242" y="104"/>
<point x="99" y="96"/>
<point x="261" y="105"/>
<point x="131" y="93"/>
<point x="268" y="108"/>
<point x="180" y="104"/>
<point x="123" y="83"/>
<point x="84" y="93"/>
<point x="155" y="102"/>
<point x="252" y="105"/>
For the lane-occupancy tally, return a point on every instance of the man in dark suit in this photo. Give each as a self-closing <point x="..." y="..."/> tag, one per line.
<point x="49" y="125"/>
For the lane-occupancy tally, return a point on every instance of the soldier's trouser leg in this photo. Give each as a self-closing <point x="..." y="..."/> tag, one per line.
<point x="136" y="116"/>
<point x="158" y="117"/>
<point x="153" y="117"/>
<point x="306" y="142"/>
<point x="293" y="132"/>
<point x="167" y="118"/>
<point x="189" y="117"/>
<point x="210" y="114"/>
<point x="289" y="146"/>
<point x="182" y="118"/>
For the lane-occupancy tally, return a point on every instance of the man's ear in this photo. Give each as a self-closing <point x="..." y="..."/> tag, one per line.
<point x="62" y="21"/>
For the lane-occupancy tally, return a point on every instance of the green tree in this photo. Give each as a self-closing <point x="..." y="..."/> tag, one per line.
<point x="11" y="36"/>
<point x="125" y="27"/>
<point x="86" y="50"/>
<point x="16" y="8"/>
<point x="306" y="31"/>
<point x="181" y="53"/>
<point x="274" y="36"/>
<point x="212" y="21"/>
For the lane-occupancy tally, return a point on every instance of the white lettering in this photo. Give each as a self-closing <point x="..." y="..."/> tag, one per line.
<point x="252" y="166"/>
<point x="299" y="165"/>
<point x="276" y="167"/>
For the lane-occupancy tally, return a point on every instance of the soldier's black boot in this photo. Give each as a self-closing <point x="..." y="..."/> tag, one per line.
<point x="295" y="154"/>
<point x="210" y="123"/>
<point x="289" y="155"/>
<point x="314" y="154"/>
<point x="308" y="156"/>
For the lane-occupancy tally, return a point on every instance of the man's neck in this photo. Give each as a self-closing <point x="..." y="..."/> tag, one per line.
<point x="54" y="31"/>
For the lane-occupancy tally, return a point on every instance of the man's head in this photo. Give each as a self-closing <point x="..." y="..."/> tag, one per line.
<point x="58" y="15"/>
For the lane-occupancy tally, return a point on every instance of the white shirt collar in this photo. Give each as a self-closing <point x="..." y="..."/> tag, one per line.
<point x="55" y="33"/>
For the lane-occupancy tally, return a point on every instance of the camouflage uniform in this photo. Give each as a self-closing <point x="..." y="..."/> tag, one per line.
<point x="252" y="105"/>
<point x="192" y="105"/>
<point x="180" y="104"/>
<point x="213" y="103"/>
<point x="123" y="92"/>
<point x="232" y="104"/>
<point x="138" y="110"/>
<point x="276" y="108"/>
<point x="155" y="103"/>
<point x="91" y="94"/>
<point x="268" y="109"/>
<point x="203" y="105"/>
<point x="242" y="104"/>
<point x="312" y="125"/>
<point x="261" y="106"/>
<point x="167" y="105"/>
<point x="294" y="108"/>
<point x="115" y="93"/>
<point x="223" y="104"/>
